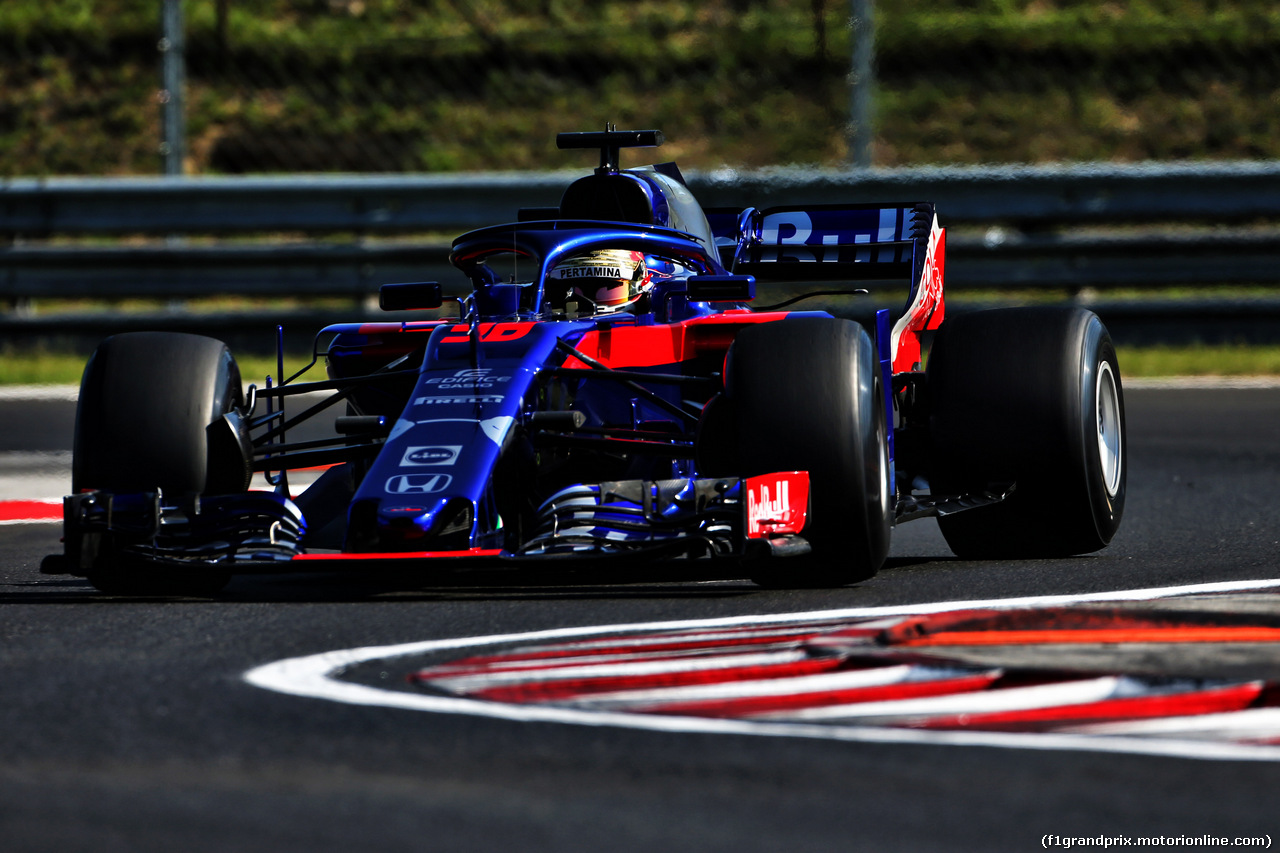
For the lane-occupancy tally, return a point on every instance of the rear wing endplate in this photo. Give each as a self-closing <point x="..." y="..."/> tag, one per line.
<point x="869" y="242"/>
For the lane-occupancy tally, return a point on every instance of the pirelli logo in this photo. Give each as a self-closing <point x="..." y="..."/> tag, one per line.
<point x="451" y="400"/>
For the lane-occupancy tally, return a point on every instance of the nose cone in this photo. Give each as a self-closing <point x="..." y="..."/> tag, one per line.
<point x="442" y="524"/>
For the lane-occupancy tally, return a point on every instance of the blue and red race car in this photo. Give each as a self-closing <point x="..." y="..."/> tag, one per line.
<point x="610" y="394"/>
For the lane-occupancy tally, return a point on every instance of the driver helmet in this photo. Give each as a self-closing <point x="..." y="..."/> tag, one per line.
<point x="611" y="278"/>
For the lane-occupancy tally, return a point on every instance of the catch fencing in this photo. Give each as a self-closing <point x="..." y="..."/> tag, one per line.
<point x="286" y="86"/>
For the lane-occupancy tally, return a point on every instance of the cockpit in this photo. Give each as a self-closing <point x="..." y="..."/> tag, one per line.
<point x="619" y="241"/>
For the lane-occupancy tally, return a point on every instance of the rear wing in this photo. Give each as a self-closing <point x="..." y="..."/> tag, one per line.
<point x="859" y="242"/>
<point x="846" y="242"/>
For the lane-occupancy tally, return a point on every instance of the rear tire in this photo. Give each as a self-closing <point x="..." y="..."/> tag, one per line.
<point x="805" y="395"/>
<point x="1029" y="396"/>
<point x="150" y="417"/>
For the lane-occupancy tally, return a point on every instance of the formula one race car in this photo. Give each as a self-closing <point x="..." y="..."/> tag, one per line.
<point x="609" y="394"/>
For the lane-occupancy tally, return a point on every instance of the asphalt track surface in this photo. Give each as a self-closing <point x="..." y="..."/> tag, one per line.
<point x="126" y="724"/>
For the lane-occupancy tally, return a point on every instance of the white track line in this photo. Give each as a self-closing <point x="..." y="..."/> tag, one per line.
<point x="1251" y="723"/>
<point x="974" y="702"/>
<point x="315" y="676"/>
<point x="828" y="681"/>
<point x="474" y="683"/>
<point x="1180" y="383"/>
<point x="39" y="393"/>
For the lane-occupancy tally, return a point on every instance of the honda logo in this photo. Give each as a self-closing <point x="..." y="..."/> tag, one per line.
<point x="418" y="484"/>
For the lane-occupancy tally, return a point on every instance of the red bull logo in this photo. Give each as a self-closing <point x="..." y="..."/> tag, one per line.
<point x="777" y="503"/>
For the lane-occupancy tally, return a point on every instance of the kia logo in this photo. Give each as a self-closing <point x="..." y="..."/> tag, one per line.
<point x="418" y="484"/>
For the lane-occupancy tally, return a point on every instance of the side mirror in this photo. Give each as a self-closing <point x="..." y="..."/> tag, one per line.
<point x="750" y="233"/>
<point x="721" y="288"/>
<point x="410" y="296"/>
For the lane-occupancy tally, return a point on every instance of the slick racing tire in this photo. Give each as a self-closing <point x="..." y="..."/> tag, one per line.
<point x="1028" y="397"/>
<point x="150" y="416"/>
<point x="805" y="395"/>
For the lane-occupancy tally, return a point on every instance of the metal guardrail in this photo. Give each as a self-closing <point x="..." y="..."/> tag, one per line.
<point x="1033" y="196"/>
<point x="1001" y="260"/>
<point x="371" y="204"/>
<point x="175" y="271"/>
<point x="1074" y="227"/>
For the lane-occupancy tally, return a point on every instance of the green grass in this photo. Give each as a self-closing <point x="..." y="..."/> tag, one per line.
<point x="54" y="368"/>
<point x="40" y="368"/>
<point x="46" y="368"/>
<point x="1202" y="360"/>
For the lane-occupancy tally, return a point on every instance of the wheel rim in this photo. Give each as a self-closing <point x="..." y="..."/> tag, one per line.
<point x="1108" y="423"/>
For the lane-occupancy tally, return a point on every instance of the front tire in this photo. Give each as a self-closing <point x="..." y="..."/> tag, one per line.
<point x="805" y="395"/>
<point x="1030" y="397"/>
<point x="150" y="416"/>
